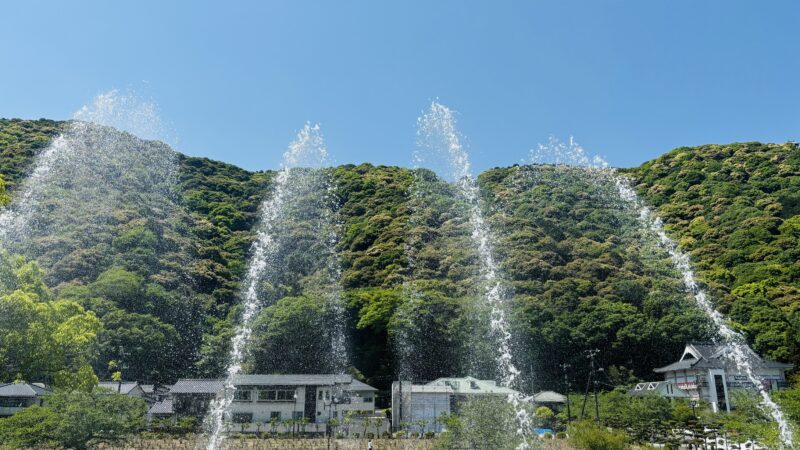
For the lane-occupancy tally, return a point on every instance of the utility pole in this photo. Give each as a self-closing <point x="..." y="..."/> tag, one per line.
<point x="564" y="367"/>
<point x="591" y="355"/>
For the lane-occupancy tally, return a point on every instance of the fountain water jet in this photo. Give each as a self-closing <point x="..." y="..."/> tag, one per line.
<point x="437" y="132"/>
<point x="86" y="171"/>
<point x="572" y="154"/>
<point x="737" y="349"/>
<point x="301" y="162"/>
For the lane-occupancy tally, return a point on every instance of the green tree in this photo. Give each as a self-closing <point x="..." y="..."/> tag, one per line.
<point x="75" y="420"/>
<point x="4" y="197"/>
<point x="588" y="435"/>
<point x="481" y="424"/>
<point x="39" y="336"/>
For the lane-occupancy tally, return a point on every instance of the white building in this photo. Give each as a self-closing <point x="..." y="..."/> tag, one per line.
<point x="260" y="400"/>
<point x="706" y="373"/>
<point x="413" y="404"/>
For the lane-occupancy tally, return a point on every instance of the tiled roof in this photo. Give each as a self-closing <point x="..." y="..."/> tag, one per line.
<point x="293" y="380"/>
<point x="680" y="365"/>
<point x="162" y="407"/>
<point x="123" y="388"/>
<point x="23" y="390"/>
<point x="712" y="356"/>
<point x="356" y="385"/>
<point x="197" y="386"/>
<point x="211" y="386"/>
<point x="549" y="397"/>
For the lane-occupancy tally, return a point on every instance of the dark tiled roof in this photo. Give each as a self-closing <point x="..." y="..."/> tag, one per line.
<point x="162" y="407"/>
<point x="197" y="386"/>
<point x="211" y="386"/>
<point x="23" y="390"/>
<point x="680" y="365"/>
<point x="156" y="388"/>
<point x="124" y="388"/>
<point x="359" y="386"/>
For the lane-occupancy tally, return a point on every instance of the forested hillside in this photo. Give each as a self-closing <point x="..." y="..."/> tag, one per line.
<point x="735" y="208"/>
<point x="163" y="278"/>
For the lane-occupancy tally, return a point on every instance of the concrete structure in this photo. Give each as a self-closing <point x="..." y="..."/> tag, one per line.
<point x="15" y="397"/>
<point x="262" y="399"/>
<point x="706" y="373"/>
<point x="415" y="403"/>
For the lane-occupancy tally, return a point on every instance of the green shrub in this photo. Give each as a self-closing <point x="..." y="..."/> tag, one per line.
<point x="588" y="435"/>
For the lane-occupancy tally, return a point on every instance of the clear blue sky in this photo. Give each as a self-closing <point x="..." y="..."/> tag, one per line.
<point x="235" y="80"/>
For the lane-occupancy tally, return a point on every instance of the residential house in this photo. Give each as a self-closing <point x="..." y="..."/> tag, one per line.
<point x="266" y="399"/>
<point x="15" y="397"/>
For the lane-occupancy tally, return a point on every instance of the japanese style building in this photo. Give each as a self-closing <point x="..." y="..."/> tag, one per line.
<point x="706" y="372"/>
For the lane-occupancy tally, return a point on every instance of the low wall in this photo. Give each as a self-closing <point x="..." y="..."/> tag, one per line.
<point x="274" y="444"/>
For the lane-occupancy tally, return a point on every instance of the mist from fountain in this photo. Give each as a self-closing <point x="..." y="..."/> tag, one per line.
<point x="437" y="135"/>
<point x="91" y="167"/>
<point x="301" y="175"/>
<point x="571" y="154"/>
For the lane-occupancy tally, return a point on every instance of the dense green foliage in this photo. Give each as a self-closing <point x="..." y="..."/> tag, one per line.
<point x="162" y="272"/>
<point x="736" y="209"/>
<point x="481" y="424"/>
<point x="20" y="141"/>
<point x="41" y="337"/>
<point x="74" y="419"/>
<point x="588" y="435"/>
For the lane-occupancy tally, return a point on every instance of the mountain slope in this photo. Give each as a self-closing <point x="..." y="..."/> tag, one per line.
<point x="735" y="209"/>
<point x="165" y="279"/>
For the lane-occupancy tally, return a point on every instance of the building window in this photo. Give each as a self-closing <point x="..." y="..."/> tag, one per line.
<point x="368" y="399"/>
<point x="242" y="396"/>
<point x="297" y="415"/>
<point x="242" y="417"/>
<point x="276" y="395"/>
<point x="11" y="402"/>
<point x="319" y="397"/>
<point x="275" y="415"/>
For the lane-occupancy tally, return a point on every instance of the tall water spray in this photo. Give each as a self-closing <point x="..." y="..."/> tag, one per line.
<point x="297" y="177"/>
<point x="737" y="350"/>
<point x="85" y="172"/>
<point x="437" y="133"/>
